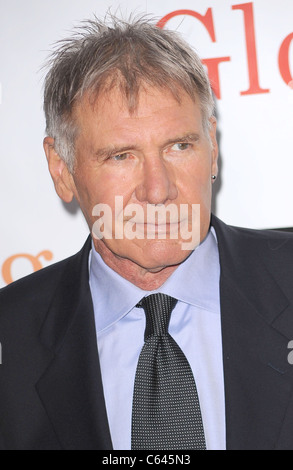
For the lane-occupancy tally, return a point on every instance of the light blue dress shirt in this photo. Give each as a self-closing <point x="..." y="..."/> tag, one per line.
<point x="195" y="325"/>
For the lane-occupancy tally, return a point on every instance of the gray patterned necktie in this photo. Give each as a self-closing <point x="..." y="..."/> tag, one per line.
<point x="166" y="413"/>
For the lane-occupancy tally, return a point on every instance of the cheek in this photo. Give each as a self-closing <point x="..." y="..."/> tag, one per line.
<point x="195" y="182"/>
<point x="111" y="186"/>
<point x="103" y="187"/>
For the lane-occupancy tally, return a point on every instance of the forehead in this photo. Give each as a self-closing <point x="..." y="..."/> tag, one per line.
<point x="156" y="109"/>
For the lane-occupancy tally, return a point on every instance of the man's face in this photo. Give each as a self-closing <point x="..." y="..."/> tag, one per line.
<point x="157" y="156"/>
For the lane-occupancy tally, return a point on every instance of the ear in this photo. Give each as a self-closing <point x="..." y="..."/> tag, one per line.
<point x="215" y="149"/>
<point x="60" y="174"/>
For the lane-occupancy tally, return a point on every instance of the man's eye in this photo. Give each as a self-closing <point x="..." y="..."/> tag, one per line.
<point x="120" y="157"/>
<point x="180" y="146"/>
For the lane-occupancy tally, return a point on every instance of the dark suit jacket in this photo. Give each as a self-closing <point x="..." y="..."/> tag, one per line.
<point x="51" y="394"/>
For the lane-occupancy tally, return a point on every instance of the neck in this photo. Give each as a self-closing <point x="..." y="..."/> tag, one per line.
<point x="145" y="278"/>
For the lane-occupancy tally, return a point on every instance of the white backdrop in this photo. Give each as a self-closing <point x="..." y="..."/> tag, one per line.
<point x="252" y="44"/>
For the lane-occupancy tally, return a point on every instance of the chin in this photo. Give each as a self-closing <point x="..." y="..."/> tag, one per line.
<point x="160" y="254"/>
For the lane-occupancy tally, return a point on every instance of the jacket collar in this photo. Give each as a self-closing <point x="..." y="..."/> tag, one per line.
<point x="255" y="339"/>
<point x="243" y="262"/>
<point x="71" y="386"/>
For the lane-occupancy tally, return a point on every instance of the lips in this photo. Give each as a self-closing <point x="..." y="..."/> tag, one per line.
<point x="151" y="230"/>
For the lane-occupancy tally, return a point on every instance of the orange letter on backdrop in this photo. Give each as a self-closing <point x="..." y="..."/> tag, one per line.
<point x="34" y="260"/>
<point x="254" y="86"/>
<point x="211" y="64"/>
<point x="284" y="59"/>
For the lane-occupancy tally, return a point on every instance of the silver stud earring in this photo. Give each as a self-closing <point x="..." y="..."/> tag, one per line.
<point x="214" y="177"/>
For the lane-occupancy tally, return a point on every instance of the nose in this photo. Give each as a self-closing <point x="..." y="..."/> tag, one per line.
<point x="157" y="186"/>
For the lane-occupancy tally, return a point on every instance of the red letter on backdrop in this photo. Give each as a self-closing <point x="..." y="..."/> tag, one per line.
<point x="211" y="64"/>
<point x="213" y="71"/>
<point x="284" y="59"/>
<point x="254" y="86"/>
<point x="206" y="20"/>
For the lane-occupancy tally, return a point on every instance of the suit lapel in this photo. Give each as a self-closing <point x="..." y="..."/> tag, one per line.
<point x="256" y="371"/>
<point x="71" y="387"/>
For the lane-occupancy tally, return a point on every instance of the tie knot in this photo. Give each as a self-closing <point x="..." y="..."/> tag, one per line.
<point x="158" y="309"/>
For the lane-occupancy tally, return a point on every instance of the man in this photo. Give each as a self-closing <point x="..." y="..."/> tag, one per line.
<point x="130" y="128"/>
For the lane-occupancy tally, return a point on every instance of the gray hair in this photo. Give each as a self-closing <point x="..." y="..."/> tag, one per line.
<point x="124" y="54"/>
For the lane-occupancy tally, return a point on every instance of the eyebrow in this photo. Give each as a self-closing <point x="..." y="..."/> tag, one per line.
<point x="112" y="150"/>
<point x="185" y="138"/>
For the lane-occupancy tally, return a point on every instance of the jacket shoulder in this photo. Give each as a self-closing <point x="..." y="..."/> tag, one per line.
<point x="32" y="294"/>
<point x="248" y="252"/>
<point x="274" y="237"/>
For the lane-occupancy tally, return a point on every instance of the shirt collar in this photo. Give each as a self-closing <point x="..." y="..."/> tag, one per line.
<point x="195" y="282"/>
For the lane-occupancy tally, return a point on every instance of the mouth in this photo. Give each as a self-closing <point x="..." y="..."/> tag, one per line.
<point x="150" y="229"/>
